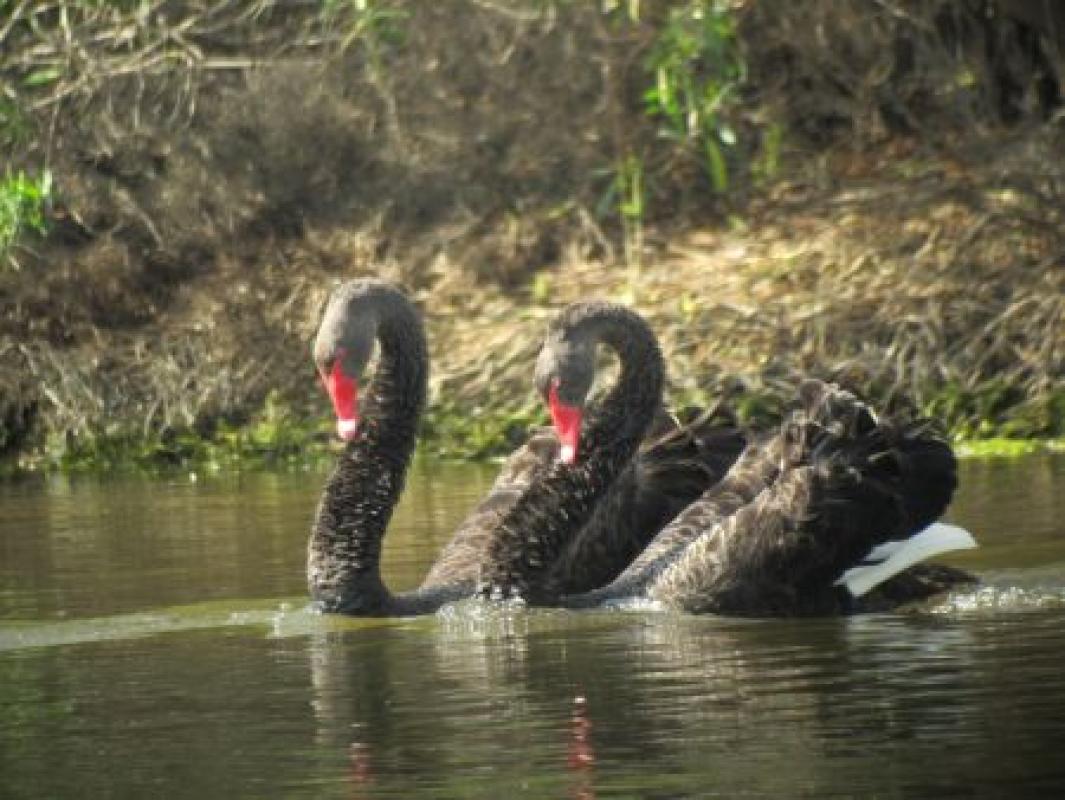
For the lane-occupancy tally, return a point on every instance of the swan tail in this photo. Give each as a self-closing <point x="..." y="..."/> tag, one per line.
<point x="893" y="475"/>
<point x="909" y="452"/>
<point x="845" y="501"/>
<point x="890" y="558"/>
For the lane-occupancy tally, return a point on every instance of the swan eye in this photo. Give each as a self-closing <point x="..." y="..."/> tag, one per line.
<point x="325" y="369"/>
<point x="329" y="363"/>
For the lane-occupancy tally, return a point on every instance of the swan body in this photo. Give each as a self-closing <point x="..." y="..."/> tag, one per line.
<point x="830" y="515"/>
<point x="674" y="464"/>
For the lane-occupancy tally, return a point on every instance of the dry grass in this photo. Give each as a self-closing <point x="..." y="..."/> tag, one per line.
<point x="944" y="288"/>
<point x="912" y="244"/>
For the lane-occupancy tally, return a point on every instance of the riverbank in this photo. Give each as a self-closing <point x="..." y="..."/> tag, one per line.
<point x="940" y="291"/>
<point x="907" y="242"/>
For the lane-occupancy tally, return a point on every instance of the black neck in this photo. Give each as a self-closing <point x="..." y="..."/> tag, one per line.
<point x="344" y="557"/>
<point x="533" y="533"/>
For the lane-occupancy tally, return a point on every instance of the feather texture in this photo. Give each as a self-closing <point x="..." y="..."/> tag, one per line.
<point x="798" y="510"/>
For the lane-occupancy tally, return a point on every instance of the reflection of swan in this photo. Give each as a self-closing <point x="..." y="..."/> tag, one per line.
<point x="716" y="704"/>
<point x="358" y="499"/>
<point x="834" y="504"/>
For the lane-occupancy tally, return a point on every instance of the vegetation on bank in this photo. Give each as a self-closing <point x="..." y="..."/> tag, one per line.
<point x="23" y="200"/>
<point x="279" y="439"/>
<point x="872" y="194"/>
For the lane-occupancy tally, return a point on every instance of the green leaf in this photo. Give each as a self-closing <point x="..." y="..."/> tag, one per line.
<point x="716" y="167"/>
<point x="42" y="77"/>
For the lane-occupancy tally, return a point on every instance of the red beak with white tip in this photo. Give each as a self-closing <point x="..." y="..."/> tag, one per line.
<point x="567" y="420"/>
<point x="344" y="392"/>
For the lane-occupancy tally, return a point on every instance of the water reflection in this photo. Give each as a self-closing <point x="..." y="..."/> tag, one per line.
<point x="1016" y="511"/>
<point x="89" y="546"/>
<point x="586" y="702"/>
<point x="153" y="641"/>
<point x="86" y="547"/>
<point x="581" y="758"/>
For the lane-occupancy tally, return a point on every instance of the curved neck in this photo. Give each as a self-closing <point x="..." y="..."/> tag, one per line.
<point x="344" y="554"/>
<point x="626" y="412"/>
<point x="532" y="535"/>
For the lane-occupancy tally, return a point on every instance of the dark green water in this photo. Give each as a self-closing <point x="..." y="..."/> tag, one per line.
<point x="154" y="643"/>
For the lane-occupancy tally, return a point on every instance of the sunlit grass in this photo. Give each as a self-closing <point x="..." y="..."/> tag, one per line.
<point x="1008" y="448"/>
<point x="22" y="204"/>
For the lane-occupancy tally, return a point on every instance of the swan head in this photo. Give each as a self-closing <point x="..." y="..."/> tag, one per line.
<point x="565" y="370"/>
<point x="345" y="343"/>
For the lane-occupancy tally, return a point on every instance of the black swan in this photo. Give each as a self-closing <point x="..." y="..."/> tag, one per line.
<point x="592" y="501"/>
<point x="639" y="495"/>
<point x="825" y="516"/>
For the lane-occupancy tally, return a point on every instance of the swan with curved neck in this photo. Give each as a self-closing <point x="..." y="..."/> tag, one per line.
<point x="536" y="492"/>
<point x="344" y="553"/>
<point x="596" y="444"/>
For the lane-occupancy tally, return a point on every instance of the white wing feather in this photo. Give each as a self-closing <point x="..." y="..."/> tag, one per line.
<point x="891" y="558"/>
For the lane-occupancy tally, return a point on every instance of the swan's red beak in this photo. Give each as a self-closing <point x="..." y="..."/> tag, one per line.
<point x="344" y="392"/>
<point x="567" y="420"/>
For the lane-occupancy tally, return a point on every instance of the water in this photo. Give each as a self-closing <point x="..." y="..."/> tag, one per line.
<point x="154" y="642"/>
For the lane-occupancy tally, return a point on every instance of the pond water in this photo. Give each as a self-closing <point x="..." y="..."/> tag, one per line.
<point x="155" y="642"/>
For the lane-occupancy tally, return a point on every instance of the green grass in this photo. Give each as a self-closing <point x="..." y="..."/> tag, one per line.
<point x="275" y="438"/>
<point x="696" y="68"/>
<point x="23" y="200"/>
<point x="1008" y="448"/>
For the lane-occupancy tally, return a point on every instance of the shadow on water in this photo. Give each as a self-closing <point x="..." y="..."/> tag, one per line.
<point x="124" y="640"/>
